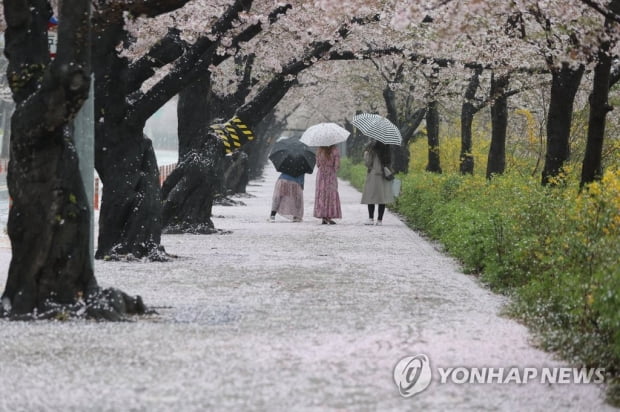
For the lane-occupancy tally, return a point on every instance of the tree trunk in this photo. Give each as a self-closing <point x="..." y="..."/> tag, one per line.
<point x="564" y="85"/>
<point x="400" y="154"/>
<point x="407" y="125"/>
<point x="131" y="210"/>
<point x="49" y="222"/>
<point x="237" y="172"/>
<point x="355" y="143"/>
<point x="130" y="215"/>
<point x="190" y="189"/>
<point x="496" y="161"/>
<point x="188" y="193"/>
<point x="432" y="128"/>
<point x="468" y="110"/>
<point x="199" y="106"/>
<point x="194" y="114"/>
<point x="592" y="168"/>
<point x="198" y="180"/>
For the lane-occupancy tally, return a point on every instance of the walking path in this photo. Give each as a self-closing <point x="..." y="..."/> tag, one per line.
<point x="282" y="317"/>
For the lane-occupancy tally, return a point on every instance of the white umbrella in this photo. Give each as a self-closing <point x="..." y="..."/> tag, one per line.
<point x="378" y="128"/>
<point x="324" y="134"/>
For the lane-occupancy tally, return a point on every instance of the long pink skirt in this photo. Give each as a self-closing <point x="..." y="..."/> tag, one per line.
<point x="326" y="198"/>
<point x="288" y="199"/>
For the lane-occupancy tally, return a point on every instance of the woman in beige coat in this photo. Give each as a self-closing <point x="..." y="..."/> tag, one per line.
<point x="377" y="189"/>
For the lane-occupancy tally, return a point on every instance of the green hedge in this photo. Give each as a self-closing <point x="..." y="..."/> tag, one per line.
<point x="554" y="250"/>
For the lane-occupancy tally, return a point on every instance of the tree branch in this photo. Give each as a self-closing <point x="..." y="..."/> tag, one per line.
<point x="252" y="112"/>
<point x="246" y="83"/>
<point x="52" y="92"/>
<point x="166" y="50"/>
<point x="362" y="55"/>
<point x="151" y="8"/>
<point x="195" y="61"/>
<point x="412" y="124"/>
<point x="611" y="13"/>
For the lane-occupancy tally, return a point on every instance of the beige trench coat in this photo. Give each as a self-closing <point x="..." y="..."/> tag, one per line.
<point x="377" y="190"/>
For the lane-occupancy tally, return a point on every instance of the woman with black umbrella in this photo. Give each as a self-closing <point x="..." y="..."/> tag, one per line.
<point x="293" y="159"/>
<point x="288" y="198"/>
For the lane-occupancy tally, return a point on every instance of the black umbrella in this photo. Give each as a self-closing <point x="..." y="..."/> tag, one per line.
<point x="292" y="157"/>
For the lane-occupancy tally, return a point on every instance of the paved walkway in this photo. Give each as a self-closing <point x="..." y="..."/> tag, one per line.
<point x="283" y="317"/>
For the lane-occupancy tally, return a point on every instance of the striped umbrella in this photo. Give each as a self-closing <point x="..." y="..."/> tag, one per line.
<point x="378" y="128"/>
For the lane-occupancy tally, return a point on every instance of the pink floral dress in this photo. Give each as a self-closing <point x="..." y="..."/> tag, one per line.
<point x="326" y="198"/>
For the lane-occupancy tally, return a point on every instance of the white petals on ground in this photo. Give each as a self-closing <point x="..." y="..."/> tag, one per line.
<point x="281" y="317"/>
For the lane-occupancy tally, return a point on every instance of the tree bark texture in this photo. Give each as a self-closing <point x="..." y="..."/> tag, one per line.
<point x="49" y="219"/>
<point x="190" y="189"/>
<point x="468" y="110"/>
<point x="564" y="85"/>
<point x="49" y="222"/>
<point x="407" y="125"/>
<point x="496" y="160"/>
<point x="189" y="208"/>
<point x="130" y="215"/>
<point x="432" y="128"/>
<point x="400" y="154"/>
<point x="592" y="168"/>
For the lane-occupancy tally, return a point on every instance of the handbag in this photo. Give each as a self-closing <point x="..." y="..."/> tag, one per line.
<point x="396" y="184"/>
<point x="388" y="174"/>
<point x="368" y="158"/>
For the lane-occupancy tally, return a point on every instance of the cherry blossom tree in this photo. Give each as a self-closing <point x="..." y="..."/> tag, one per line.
<point x="521" y="35"/>
<point x="599" y="98"/>
<point x="130" y="218"/>
<point x="190" y="190"/>
<point x="51" y="273"/>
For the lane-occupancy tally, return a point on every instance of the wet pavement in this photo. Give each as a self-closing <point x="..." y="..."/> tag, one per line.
<point x="284" y="317"/>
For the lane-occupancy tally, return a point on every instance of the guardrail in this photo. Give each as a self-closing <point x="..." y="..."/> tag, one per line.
<point x="164" y="172"/>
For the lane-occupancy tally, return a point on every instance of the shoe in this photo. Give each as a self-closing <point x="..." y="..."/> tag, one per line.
<point x="379" y="222"/>
<point x="370" y="222"/>
<point x="331" y="222"/>
<point x="296" y="219"/>
<point x="271" y="219"/>
<point x="324" y="222"/>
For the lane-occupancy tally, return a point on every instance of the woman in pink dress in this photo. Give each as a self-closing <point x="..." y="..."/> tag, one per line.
<point x="326" y="199"/>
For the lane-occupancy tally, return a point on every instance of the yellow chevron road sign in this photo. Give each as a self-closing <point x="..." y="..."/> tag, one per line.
<point x="234" y="134"/>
